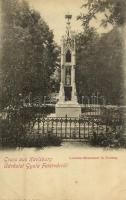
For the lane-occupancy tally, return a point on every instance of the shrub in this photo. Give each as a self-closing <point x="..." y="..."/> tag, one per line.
<point x="39" y="141"/>
<point x="14" y="135"/>
<point x="107" y="140"/>
<point x="15" y="131"/>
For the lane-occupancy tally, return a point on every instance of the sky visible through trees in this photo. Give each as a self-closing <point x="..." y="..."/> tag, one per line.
<point x="50" y="9"/>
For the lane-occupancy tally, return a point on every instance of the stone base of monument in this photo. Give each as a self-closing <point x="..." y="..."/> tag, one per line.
<point x="68" y="108"/>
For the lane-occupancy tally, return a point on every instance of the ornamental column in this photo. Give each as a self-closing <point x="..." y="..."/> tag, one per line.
<point x="61" y="92"/>
<point x="74" y="94"/>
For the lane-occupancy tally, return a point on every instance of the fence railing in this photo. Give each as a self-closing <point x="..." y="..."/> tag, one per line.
<point x="30" y="123"/>
<point x="75" y="128"/>
<point x="84" y="100"/>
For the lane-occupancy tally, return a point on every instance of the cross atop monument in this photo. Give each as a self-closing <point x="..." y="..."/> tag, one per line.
<point x="68" y="17"/>
<point x="68" y="28"/>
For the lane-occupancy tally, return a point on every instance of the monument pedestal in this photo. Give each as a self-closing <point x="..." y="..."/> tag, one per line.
<point x="69" y="108"/>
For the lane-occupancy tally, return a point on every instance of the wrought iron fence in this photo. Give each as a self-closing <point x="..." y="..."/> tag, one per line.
<point x="74" y="128"/>
<point x="46" y="100"/>
<point x="35" y="123"/>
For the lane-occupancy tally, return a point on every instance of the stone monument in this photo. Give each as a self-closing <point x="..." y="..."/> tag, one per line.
<point x="68" y="104"/>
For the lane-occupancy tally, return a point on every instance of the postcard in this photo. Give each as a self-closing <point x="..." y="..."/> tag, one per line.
<point x="62" y="100"/>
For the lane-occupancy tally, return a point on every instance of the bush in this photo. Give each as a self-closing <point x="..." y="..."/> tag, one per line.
<point x="10" y="132"/>
<point x="15" y="131"/>
<point x="107" y="140"/>
<point x="40" y="141"/>
<point x="14" y="135"/>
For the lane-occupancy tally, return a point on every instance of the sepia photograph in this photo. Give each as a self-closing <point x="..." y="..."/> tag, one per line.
<point x="62" y="99"/>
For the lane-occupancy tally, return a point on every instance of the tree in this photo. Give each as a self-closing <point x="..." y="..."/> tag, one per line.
<point x="29" y="53"/>
<point x="99" y="65"/>
<point x="86" y="46"/>
<point x="114" y="11"/>
<point x="102" y="56"/>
